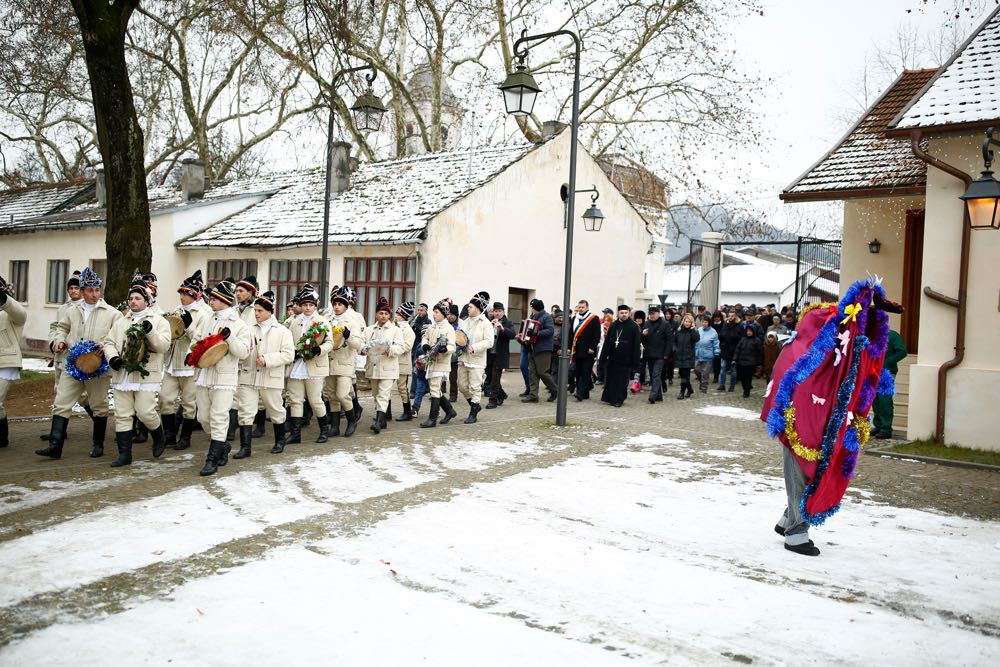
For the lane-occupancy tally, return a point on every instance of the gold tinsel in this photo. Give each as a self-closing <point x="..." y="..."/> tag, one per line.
<point x="793" y="438"/>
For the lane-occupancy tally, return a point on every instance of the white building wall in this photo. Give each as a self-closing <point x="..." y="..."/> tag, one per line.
<point x="509" y="233"/>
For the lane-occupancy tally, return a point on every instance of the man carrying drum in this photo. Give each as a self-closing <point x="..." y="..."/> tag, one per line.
<point x="178" y="378"/>
<point x="438" y="344"/>
<point x="472" y="362"/>
<point x="79" y="332"/>
<point x="135" y="348"/>
<point x="59" y="359"/>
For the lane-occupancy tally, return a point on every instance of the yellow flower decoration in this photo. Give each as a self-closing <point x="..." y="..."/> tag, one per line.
<point x="864" y="429"/>
<point x="800" y="450"/>
<point x="852" y="313"/>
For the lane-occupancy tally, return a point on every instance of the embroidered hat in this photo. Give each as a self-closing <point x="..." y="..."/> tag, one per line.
<point x="74" y="280"/>
<point x="480" y="300"/>
<point x="89" y="279"/>
<point x="250" y="284"/>
<point x="141" y="288"/>
<point x="383" y="304"/>
<point x="308" y="294"/>
<point x="192" y="286"/>
<point x="442" y="307"/>
<point x="266" y="301"/>
<point x="341" y="295"/>
<point x="350" y="295"/>
<point x="405" y="309"/>
<point x="224" y="292"/>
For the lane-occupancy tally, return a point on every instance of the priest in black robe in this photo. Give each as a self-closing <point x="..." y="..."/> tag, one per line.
<point x="620" y="355"/>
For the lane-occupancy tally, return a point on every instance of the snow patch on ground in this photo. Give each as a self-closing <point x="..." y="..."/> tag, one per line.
<point x="37" y="365"/>
<point x="728" y="411"/>
<point x="653" y="440"/>
<point x="482" y="454"/>
<point x="721" y="453"/>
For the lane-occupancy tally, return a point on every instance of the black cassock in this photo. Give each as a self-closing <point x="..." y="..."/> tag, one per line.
<point x="621" y="356"/>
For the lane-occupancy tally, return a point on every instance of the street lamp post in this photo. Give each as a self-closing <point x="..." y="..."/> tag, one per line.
<point x="367" y="111"/>
<point x="520" y="91"/>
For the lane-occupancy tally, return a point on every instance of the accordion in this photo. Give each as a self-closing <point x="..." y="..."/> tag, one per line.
<point x="529" y="331"/>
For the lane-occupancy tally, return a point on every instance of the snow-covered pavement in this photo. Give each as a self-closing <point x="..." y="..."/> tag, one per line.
<point x="541" y="550"/>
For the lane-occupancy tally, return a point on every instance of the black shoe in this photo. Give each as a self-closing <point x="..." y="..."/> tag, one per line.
<point x="525" y="393"/>
<point x="807" y="549"/>
<point x="184" y="441"/>
<point x="552" y="396"/>
<point x="680" y="396"/>
<point x="617" y="405"/>
<point x="246" y="442"/>
<point x="432" y="418"/>
<point x="377" y="422"/>
<point x="407" y="414"/>
<point x="721" y="387"/>
<point x="45" y="437"/>
<point x="159" y="441"/>
<point x="732" y="389"/>
<point x="139" y="431"/>
<point x="530" y="399"/>
<point x="295" y="434"/>
<point x="123" y="440"/>
<point x="224" y="459"/>
<point x="169" y="423"/>
<point x="4" y="433"/>
<point x="492" y="404"/>
<point x="652" y="400"/>
<point x="100" y="428"/>
<point x="779" y="530"/>
<point x="358" y="410"/>
<point x="258" y="424"/>
<point x="388" y="414"/>
<point x="449" y="411"/>
<point x="97" y="451"/>
<point x="233" y="423"/>
<point x="746" y="394"/>
<point x="883" y="435"/>
<point x="474" y="409"/>
<point x="215" y="452"/>
<point x="57" y="436"/>
<point x="279" y="438"/>
<point x="352" y="423"/>
<point x="324" y="428"/>
<point x="333" y="424"/>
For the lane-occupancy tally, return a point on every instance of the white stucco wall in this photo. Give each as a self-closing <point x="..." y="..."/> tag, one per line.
<point x="509" y="233"/>
<point x="973" y="387"/>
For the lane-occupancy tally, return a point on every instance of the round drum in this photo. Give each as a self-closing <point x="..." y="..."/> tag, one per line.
<point x="89" y="362"/>
<point x="213" y="355"/>
<point x="461" y="340"/>
<point x="177" y="327"/>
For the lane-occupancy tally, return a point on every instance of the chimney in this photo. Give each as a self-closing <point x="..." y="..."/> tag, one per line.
<point x="342" y="166"/>
<point x="101" y="187"/>
<point x="551" y="128"/>
<point x="192" y="179"/>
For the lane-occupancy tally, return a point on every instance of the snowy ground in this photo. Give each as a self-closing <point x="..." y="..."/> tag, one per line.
<point x="547" y="549"/>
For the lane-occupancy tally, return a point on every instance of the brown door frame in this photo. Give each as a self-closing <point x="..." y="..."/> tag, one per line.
<point x="913" y="257"/>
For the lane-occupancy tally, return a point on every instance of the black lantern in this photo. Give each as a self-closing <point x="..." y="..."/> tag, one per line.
<point x="593" y="219"/>
<point x="982" y="198"/>
<point x="368" y="112"/>
<point x="874" y="246"/>
<point x="519" y="91"/>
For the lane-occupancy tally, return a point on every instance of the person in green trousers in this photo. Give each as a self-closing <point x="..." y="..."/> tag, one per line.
<point x="895" y="353"/>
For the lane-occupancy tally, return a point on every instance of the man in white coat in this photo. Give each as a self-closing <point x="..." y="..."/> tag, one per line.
<point x="12" y="319"/>
<point x="178" y="378"/>
<point x="383" y="345"/>
<point x="403" y="315"/>
<point x="472" y="361"/>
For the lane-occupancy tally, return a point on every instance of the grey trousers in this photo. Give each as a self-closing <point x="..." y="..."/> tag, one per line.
<point x="796" y="529"/>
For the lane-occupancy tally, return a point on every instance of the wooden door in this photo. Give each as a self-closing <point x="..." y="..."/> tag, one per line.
<point x="517" y="310"/>
<point x="913" y="254"/>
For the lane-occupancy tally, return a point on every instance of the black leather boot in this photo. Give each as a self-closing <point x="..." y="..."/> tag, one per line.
<point x="307" y="415"/>
<point x="324" y="426"/>
<point x="57" y="436"/>
<point x="407" y="414"/>
<point x="215" y="449"/>
<point x="333" y="427"/>
<point x="100" y="429"/>
<point x="224" y="457"/>
<point x="246" y="439"/>
<point x="474" y="409"/>
<point x="184" y="441"/>
<point x="258" y="424"/>
<point x="377" y="423"/>
<point x="388" y="412"/>
<point x="124" y="441"/>
<point x="140" y="433"/>
<point x="295" y="434"/>
<point x="432" y="417"/>
<point x="4" y="434"/>
<point x="279" y="438"/>
<point x="357" y="405"/>
<point x="449" y="411"/>
<point x="352" y="423"/>
<point x="233" y="423"/>
<point x="169" y="423"/>
<point x="159" y="439"/>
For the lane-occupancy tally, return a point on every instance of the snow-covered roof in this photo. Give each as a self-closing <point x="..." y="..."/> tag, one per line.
<point x="767" y="278"/>
<point x="388" y="202"/>
<point x="24" y="203"/>
<point x="865" y="162"/>
<point x="966" y="91"/>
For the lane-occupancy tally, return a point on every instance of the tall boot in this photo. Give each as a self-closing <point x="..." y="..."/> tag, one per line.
<point x="187" y="428"/>
<point x="295" y="434"/>
<point x="57" y="436"/>
<point x="449" y="411"/>
<point x="307" y="415"/>
<point x="324" y="427"/>
<point x="215" y="449"/>
<point x="474" y="409"/>
<point x="258" y="424"/>
<point x="100" y="428"/>
<point x="352" y="423"/>
<point x="388" y="412"/>
<point x="246" y="439"/>
<point x="3" y="433"/>
<point x="432" y="418"/>
<point x="124" y="441"/>
<point x="233" y="423"/>
<point x="333" y="425"/>
<point x="357" y="405"/>
<point x="224" y="456"/>
<point x="377" y="423"/>
<point x="169" y="423"/>
<point x="279" y="438"/>
<point x="159" y="441"/>
<point x="407" y="414"/>
<point x="140" y="433"/>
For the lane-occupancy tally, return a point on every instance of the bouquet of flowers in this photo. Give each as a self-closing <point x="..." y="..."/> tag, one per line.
<point x="135" y="354"/>
<point x="308" y="344"/>
<point x="432" y="353"/>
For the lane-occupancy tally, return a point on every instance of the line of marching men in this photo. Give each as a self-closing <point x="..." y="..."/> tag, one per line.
<point x="223" y="358"/>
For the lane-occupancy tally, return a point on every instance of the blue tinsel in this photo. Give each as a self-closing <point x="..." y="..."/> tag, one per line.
<point x="83" y="347"/>
<point x="887" y="383"/>
<point x="830" y="434"/>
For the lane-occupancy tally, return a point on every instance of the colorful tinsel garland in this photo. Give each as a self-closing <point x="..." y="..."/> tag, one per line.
<point x="81" y="348"/>
<point x="792" y="435"/>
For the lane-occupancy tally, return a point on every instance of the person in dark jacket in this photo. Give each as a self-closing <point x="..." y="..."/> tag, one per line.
<point x="668" y="362"/>
<point x="498" y="358"/>
<point x="685" y="339"/>
<point x="729" y="337"/>
<point x="895" y="353"/>
<point x="748" y="356"/>
<point x="586" y="340"/>
<point x="654" y="341"/>
<point x="540" y="354"/>
<point x="717" y="319"/>
<point x="621" y="356"/>
<point x="557" y="320"/>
